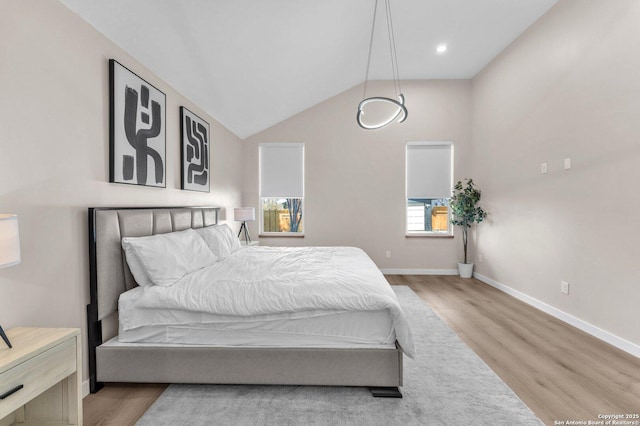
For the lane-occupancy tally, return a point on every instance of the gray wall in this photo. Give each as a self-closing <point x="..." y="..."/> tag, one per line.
<point x="568" y="88"/>
<point x="355" y="178"/>
<point x="54" y="139"/>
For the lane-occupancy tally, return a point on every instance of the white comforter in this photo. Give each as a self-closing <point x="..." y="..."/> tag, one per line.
<point x="270" y="280"/>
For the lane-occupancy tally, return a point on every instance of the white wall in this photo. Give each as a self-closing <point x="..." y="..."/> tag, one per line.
<point x="355" y="178"/>
<point x="54" y="142"/>
<point x="567" y="88"/>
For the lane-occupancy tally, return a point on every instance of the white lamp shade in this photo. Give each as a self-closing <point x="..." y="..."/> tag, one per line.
<point x="9" y="240"/>
<point x="242" y="214"/>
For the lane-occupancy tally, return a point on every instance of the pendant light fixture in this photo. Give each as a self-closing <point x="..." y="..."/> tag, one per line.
<point x="400" y="110"/>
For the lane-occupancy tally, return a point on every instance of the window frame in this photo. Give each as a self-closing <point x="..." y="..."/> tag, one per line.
<point x="432" y="234"/>
<point x="262" y="232"/>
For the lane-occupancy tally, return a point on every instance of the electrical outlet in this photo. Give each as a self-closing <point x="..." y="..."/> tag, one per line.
<point x="564" y="287"/>
<point x="543" y="168"/>
<point x="388" y="254"/>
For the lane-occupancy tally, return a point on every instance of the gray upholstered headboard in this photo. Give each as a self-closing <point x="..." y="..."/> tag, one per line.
<point x="111" y="225"/>
<point x="109" y="273"/>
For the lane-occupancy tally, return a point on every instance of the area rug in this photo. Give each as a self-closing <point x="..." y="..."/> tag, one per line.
<point x="447" y="384"/>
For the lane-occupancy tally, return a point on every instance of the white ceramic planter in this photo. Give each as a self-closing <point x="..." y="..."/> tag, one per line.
<point x="465" y="269"/>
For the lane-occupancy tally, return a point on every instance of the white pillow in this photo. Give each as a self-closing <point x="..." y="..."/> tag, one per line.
<point x="220" y="239"/>
<point x="165" y="258"/>
<point x="135" y="266"/>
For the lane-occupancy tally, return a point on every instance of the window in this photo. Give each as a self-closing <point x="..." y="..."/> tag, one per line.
<point x="429" y="168"/>
<point x="282" y="189"/>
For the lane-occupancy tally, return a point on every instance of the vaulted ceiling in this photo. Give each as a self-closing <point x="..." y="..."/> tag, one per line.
<point x="253" y="63"/>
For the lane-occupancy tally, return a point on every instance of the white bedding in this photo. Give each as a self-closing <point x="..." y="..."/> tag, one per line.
<point x="272" y="281"/>
<point x="371" y="329"/>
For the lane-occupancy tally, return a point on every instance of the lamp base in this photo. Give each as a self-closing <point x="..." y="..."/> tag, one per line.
<point x="4" y="337"/>
<point x="244" y="227"/>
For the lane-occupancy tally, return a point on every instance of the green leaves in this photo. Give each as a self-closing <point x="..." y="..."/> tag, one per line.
<point x="465" y="209"/>
<point x="464" y="206"/>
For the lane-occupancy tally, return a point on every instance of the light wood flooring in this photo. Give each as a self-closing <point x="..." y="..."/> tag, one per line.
<point x="560" y="372"/>
<point x="119" y="404"/>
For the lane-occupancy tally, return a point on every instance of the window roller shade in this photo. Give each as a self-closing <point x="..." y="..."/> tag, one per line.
<point x="282" y="170"/>
<point x="429" y="170"/>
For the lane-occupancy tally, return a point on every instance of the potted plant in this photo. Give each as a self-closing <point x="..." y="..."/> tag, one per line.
<point x="466" y="212"/>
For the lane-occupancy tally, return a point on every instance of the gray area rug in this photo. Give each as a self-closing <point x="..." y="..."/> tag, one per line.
<point x="447" y="384"/>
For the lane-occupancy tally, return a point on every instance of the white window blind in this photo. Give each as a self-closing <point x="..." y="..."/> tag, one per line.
<point x="282" y="170"/>
<point x="429" y="169"/>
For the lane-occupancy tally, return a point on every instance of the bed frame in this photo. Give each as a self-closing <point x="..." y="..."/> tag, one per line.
<point x="378" y="369"/>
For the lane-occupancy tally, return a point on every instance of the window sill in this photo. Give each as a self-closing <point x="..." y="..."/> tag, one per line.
<point x="425" y="235"/>
<point x="280" y="235"/>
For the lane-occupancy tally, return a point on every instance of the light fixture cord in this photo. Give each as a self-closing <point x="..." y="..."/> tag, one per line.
<point x="392" y="49"/>
<point x="373" y="26"/>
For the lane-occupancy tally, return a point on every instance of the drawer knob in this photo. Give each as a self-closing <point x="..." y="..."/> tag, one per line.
<point x="11" y="392"/>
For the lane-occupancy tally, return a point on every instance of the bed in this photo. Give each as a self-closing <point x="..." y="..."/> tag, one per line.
<point x="134" y="338"/>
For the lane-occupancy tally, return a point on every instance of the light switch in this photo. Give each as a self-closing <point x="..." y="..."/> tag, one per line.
<point x="567" y="163"/>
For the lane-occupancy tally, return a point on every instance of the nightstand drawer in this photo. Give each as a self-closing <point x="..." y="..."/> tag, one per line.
<point x="36" y="375"/>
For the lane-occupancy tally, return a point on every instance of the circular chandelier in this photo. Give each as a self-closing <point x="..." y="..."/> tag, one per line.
<point x="400" y="110"/>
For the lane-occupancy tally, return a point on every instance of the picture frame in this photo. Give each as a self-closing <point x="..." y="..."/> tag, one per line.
<point x="195" y="149"/>
<point x="137" y="129"/>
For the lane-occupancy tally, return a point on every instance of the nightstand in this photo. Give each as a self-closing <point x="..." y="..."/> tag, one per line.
<point x="250" y="244"/>
<point x="40" y="377"/>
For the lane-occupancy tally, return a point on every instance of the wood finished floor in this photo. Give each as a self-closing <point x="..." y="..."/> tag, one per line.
<point x="560" y="372"/>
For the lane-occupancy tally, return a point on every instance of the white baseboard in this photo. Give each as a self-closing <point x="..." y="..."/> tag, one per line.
<point x="597" y="332"/>
<point x="419" y="271"/>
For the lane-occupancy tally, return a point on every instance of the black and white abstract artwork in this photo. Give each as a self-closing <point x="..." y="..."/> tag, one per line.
<point x="137" y="139"/>
<point x="195" y="151"/>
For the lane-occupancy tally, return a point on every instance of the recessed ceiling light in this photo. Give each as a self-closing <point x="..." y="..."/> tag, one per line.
<point x="441" y="48"/>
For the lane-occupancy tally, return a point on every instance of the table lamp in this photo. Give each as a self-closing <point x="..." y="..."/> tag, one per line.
<point x="244" y="214"/>
<point x="9" y="249"/>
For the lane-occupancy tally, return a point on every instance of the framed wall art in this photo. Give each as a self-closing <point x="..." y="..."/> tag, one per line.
<point x="195" y="145"/>
<point x="137" y="125"/>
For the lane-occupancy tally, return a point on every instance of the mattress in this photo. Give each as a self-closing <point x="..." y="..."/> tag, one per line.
<point x="267" y="296"/>
<point x="301" y="329"/>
